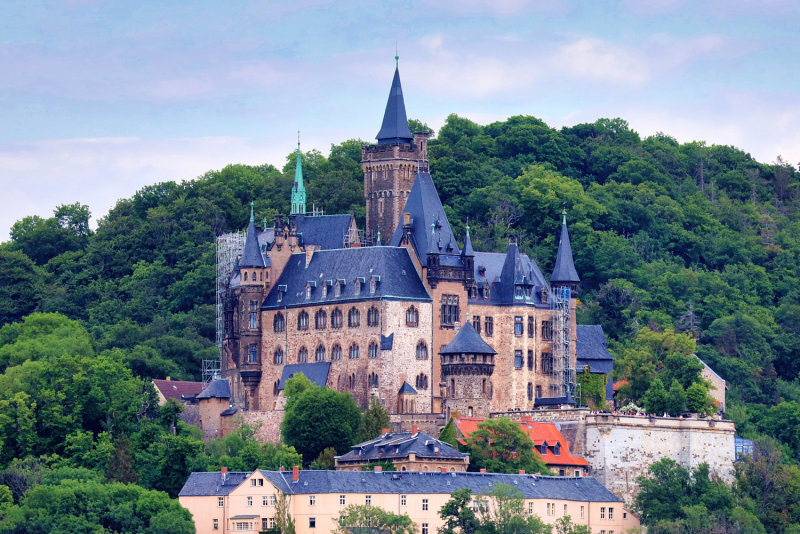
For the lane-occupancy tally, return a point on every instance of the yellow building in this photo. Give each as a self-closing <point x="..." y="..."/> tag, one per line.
<point x="246" y="502"/>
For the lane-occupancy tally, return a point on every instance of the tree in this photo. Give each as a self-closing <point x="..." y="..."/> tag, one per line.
<point x="374" y="517"/>
<point x="676" y="399"/>
<point x="697" y="400"/>
<point x="564" y="525"/>
<point x="500" y="446"/>
<point x="20" y="286"/>
<point x="655" y="399"/>
<point x="457" y="513"/>
<point x="373" y="421"/>
<point x="507" y="515"/>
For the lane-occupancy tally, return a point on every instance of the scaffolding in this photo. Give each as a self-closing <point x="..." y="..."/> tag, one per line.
<point x="211" y="371"/>
<point x="561" y="320"/>
<point x="229" y="247"/>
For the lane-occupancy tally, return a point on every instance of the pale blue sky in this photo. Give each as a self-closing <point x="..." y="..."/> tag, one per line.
<point x="101" y="98"/>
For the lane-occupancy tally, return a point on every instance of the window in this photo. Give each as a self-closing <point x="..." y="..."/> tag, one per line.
<point x="319" y="354"/>
<point x="402" y="500"/>
<point x="220" y="501"/>
<point x="302" y="321"/>
<point x="547" y="330"/>
<point x="353" y="318"/>
<point x="517" y="325"/>
<point x="422" y="351"/>
<point x="264" y="500"/>
<point x="531" y="362"/>
<point x="561" y="472"/>
<point x="486" y="292"/>
<point x="531" y="326"/>
<point x="372" y="380"/>
<point x="216" y="524"/>
<point x="249" y="501"/>
<point x="452" y="388"/>
<point x="271" y="522"/>
<point x="368" y="499"/>
<point x="373" y="349"/>
<point x="336" y="318"/>
<point x="337" y="289"/>
<point x="264" y="523"/>
<point x="253" y="314"/>
<point x="336" y="352"/>
<point x="476" y="323"/>
<point x="611" y="513"/>
<point x="530" y="391"/>
<point x="278" y="323"/>
<point x="557" y="450"/>
<point x="357" y="286"/>
<point x="565" y="510"/>
<point x="602" y="512"/>
<point x="351" y="381"/>
<point x="341" y="500"/>
<point x="312" y="500"/>
<point x="519" y="292"/>
<point x="517" y="359"/>
<point x="302" y="355"/>
<point x="577" y="473"/>
<point x="373" y="317"/>
<point x="278" y="357"/>
<point x="547" y="362"/>
<point x="449" y="310"/>
<point x="530" y="507"/>
<point x="412" y="317"/>
<point x="551" y="508"/>
<point x="424" y="505"/>
<point x="581" y="512"/>
<point x="252" y="354"/>
<point x="422" y="381"/>
<point x="424" y="528"/>
<point x="353" y="351"/>
<point x="308" y="291"/>
<point x="312" y="522"/>
<point x="489" y="324"/>
<point x="320" y="320"/>
<point x="538" y="392"/>
<point x="272" y="500"/>
<point x="324" y="290"/>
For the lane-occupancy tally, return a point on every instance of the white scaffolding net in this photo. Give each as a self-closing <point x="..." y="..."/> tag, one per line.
<point x="229" y="247"/>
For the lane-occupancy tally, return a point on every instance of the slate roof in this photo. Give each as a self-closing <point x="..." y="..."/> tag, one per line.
<point x="251" y="255"/>
<point x="467" y="341"/>
<point x="591" y="350"/>
<point x="407" y="388"/>
<point x="218" y="389"/>
<point x="553" y="401"/>
<point x="178" y="389"/>
<point x="317" y="372"/>
<point x="415" y="482"/>
<point x="327" y="231"/>
<point x="395" y="123"/>
<point x="387" y="341"/>
<point x="564" y="270"/>
<point x="201" y="484"/>
<point x="398" y="445"/>
<point x="396" y="277"/>
<point x="490" y="268"/>
<point x="425" y="208"/>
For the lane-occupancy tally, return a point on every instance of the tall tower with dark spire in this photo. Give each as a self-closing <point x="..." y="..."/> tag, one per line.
<point x="298" y="188"/>
<point x="391" y="165"/>
<point x="564" y="273"/>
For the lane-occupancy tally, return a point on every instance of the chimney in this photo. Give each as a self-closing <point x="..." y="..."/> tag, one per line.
<point x="521" y="471"/>
<point x="168" y="379"/>
<point x="378" y="468"/>
<point x="386" y="430"/>
<point x="406" y="219"/>
<point x="443" y="469"/>
<point x="414" y="430"/>
<point x="224" y="472"/>
<point x="483" y="470"/>
<point x="281" y="469"/>
<point x="295" y="474"/>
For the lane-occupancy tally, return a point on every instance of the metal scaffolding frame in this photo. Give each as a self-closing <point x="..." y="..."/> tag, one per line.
<point x="211" y="370"/>
<point x="560" y="316"/>
<point x="229" y="247"/>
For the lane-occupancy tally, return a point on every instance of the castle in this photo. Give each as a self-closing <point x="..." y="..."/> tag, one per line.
<point x="405" y="315"/>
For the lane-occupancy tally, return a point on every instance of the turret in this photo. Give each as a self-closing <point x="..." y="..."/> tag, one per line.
<point x="298" y="188"/>
<point x="564" y="273"/>
<point x="394" y="128"/>
<point x="467" y="367"/>
<point x="252" y="266"/>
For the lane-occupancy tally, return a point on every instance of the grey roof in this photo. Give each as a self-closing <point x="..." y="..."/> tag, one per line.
<point x="387" y="341"/>
<point x="229" y="411"/>
<point x="398" y="445"/>
<point x="468" y="250"/>
<point x="591" y="350"/>
<point x="553" y="401"/>
<point x="426" y="209"/>
<point x="407" y="388"/>
<point x="411" y="482"/>
<point x="395" y="275"/>
<point x="327" y="231"/>
<point x="251" y="255"/>
<point x="202" y="484"/>
<point x="564" y="270"/>
<point x="317" y="372"/>
<point x="218" y="389"/>
<point x="490" y="268"/>
<point x="467" y="341"/>
<point x="395" y="123"/>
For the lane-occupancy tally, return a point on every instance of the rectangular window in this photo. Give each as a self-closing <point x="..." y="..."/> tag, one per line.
<point x="449" y="310"/>
<point x="518" y="359"/>
<point x="611" y="513"/>
<point x="271" y="522"/>
<point x="517" y="325"/>
<point x="252" y="482"/>
<point x="547" y="362"/>
<point x="216" y="524"/>
<point x="220" y="501"/>
<point x="476" y="323"/>
<point x="531" y="362"/>
<point x="577" y="473"/>
<point x="402" y="500"/>
<point x="424" y="528"/>
<point x="264" y="500"/>
<point x="424" y="505"/>
<point x="272" y="500"/>
<point x="547" y="330"/>
<point x="530" y="391"/>
<point x="531" y="327"/>
<point x="312" y="500"/>
<point x="368" y="499"/>
<point x="581" y="512"/>
<point x="249" y="501"/>
<point x="602" y="512"/>
<point x="312" y="522"/>
<point x="565" y="509"/>
<point x="253" y="314"/>
<point x="264" y="523"/>
<point x="489" y="324"/>
<point x="341" y="500"/>
<point x="530" y="507"/>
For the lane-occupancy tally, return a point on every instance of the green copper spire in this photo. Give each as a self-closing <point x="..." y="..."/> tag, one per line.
<point x="252" y="205"/>
<point x="299" y="189"/>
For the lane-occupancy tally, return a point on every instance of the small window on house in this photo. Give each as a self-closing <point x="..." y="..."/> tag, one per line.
<point x="249" y="501"/>
<point x="336" y="352"/>
<point x="252" y="354"/>
<point x="531" y="363"/>
<point x="373" y="349"/>
<point x="422" y="351"/>
<point x="308" y="291"/>
<point x="518" y="359"/>
<point x="341" y="500"/>
<point x="336" y="318"/>
<point x="320" y="320"/>
<point x="302" y="321"/>
<point x="602" y="512"/>
<point x="547" y="330"/>
<point x="422" y="381"/>
<point x="531" y="327"/>
<point x="412" y="317"/>
<point x="424" y="505"/>
<point x="565" y="510"/>
<point x="319" y="354"/>
<point x="324" y="290"/>
<point x="368" y="499"/>
<point x="278" y="357"/>
<point x="278" y="323"/>
<point x="353" y="318"/>
<point x="215" y="524"/>
<point x="425" y="529"/>
<point x="372" y="380"/>
<point x="373" y="316"/>
<point x="486" y="292"/>
<point x="302" y="355"/>
<point x="253" y="314"/>
<point x="518" y="292"/>
<point x="449" y="310"/>
<point x="312" y="500"/>
<point x="312" y="522"/>
<point x="220" y="501"/>
<point x="354" y="352"/>
<point x="530" y="507"/>
<point x="517" y="325"/>
<point x="530" y="391"/>
<point x="473" y="292"/>
<point x="611" y="513"/>
<point x="402" y="500"/>
<point x="489" y="324"/>
<point x="337" y="289"/>
<point x="581" y="512"/>
<point x="476" y="323"/>
<point x="357" y="287"/>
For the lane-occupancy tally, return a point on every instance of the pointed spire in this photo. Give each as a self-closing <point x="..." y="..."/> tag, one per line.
<point x="468" y="250"/>
<point x="298" y="189"/>
<point x="433" y="247"/>
<point x="564" y="270"/>
<point x="251" y="256"/>
<point x="395" y="122"/>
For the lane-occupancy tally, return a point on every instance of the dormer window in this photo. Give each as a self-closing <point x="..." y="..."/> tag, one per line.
<point x="473" y="292"/>
<point x="357" y="286"/>
<point x="308" y="291"/>
<point x="373" y="283"/>
<point x="337" y="288"/>
<point x="557" y="449"/>
<point x="543" y="448"/>
<point x="545" y="295"/>
<point x="518" y="292"/>
<point x="486" y="292"/>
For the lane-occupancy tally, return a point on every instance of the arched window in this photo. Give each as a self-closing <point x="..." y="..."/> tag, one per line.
<point x="252" y="354"/>
<point x="320" y="320"/>
<point x="351" y="381"/>
<point x="373" y="316"/>
<point x="278" y="323"/>
<point x="336" y="352"/>
<point x="302" y="355"/>
<point x="422" y="351"/>
<point x="373" y="380"/>
<point x="319" y="354"/>
<point x="422" y="381"/>
<point x="275" y="389"/>
<point x="336" y="318"/>
<point x="353" y="318"/>
<point x="302" y="321"/>
<point x="245" y="276"/>
<point x="373" y="349"/>
<point x="412" y="317"/>
<point x="353" y="351"/>
<point x="278" y="357"/>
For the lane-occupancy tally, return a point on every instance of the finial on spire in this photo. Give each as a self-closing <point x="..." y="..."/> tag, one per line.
<point x="252" y="205"/>
<point x="298" y="140"/>
<point x="564" y="216"/>
<point x="396" y="56"/>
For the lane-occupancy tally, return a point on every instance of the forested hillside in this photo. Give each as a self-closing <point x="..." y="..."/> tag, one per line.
<point x="681" y="247"/>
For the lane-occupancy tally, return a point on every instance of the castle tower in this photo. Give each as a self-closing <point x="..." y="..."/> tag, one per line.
<point x="298" y="188"/>
<point x="564" y="283"/>
<point x="564" y="273"/>
<point x="467" y="367"/>
<point x="391" y="165"/>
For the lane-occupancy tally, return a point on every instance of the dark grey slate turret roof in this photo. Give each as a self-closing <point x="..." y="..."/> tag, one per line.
<point x="468" y="250"/>
<point x="564" y="270"/>
<point x="407" y="388"/>
<point x="467" y="341"/>
<point x="395" y="123"/>
<point x="397" y="445"/>
<point x="219" y="389"/>
<point x="201" y="484"/>
<point x="317" y="372"/>
<point x="489" y="268"/>
<point x="251" y="255"/>
<point x="391" y="267"/>
<point x="426" y="209"/>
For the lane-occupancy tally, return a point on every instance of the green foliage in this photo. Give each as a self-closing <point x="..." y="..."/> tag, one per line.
<point x="365" y="515"/>
<point x="20" y="286"/>
<point x="325" y="460"/>
<point x="593" y="388"/>
<point x="500" y="446"/>
<point x="373" y="421"/>
<point x="449" y="434"/>
<point x="676" y="399"/>
<point x="505" y="514"/>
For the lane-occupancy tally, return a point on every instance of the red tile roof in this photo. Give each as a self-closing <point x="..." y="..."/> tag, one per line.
<point x="177" y="389"/>
<point x="538" y="432"/>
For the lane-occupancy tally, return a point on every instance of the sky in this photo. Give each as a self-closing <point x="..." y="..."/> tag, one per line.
<point x="100" y="98"/>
